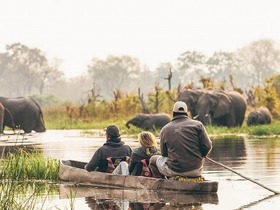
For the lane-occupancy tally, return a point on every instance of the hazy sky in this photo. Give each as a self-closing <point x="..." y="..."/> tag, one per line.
<point x="154" y="31"/>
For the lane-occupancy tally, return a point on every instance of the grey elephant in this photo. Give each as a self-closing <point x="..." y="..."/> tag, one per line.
<point x="149" y="121"/>
<point x="259" y="116"/>
<point x="2" y="113"/>
<point x="191" y="97"/>
<point x="222" y="108"/>
<point x="23" y="113"/>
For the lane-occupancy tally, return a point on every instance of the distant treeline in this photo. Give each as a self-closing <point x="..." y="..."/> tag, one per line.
<point x="26" y="71"/>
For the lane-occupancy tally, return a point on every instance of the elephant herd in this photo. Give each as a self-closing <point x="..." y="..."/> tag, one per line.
<point x="211" y="107"/>
<point x="22" y="113"/>
<point x="220" y="108"/>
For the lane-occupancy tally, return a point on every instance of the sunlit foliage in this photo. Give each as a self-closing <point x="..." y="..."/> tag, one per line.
<point x="268" y="96"/>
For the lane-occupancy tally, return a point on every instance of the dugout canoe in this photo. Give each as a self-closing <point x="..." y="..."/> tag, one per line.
<point x="73" y="171"/>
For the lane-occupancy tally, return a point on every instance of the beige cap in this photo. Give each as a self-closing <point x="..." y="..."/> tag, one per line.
<point x="180" y="107"/>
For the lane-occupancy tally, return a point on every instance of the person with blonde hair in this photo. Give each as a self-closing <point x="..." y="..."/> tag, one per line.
<point x="141" y="156"/>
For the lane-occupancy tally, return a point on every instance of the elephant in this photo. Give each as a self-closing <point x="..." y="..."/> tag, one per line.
<point x="260" y="116"/>
<point x="149" y="121"/>
<point x="191" y="97"/>
<point x="23" y="113"/>
<point x="2" y="113"/>
<point x="222" y="108"/>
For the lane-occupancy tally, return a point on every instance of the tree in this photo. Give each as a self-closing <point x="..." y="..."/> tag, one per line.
<point x="191" y="66"/>
<point x="145" y="82"/>
<point x="161" y="72"/>
<point x="260" y="60"/>
<point x="29" y="62"/>
<point x="268" y="96"/>
<point x="276" y="84"/>
<point x="221" y="65"/>
<point x="49" y="75"/>
<point x="26" y="69"/>
<point x="114" y="73"/>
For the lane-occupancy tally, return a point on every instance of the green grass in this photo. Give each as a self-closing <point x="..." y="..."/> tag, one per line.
<point x="265" y="130"/>
<point x="56" y="117"/>
<point x="259" y="130"/>
<point x="23" y="165"/>
<point x="24" y="179"/>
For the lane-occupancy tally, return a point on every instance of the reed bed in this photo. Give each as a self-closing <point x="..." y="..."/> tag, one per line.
<point x="23" y="165"/>
<point x="26" y="180"/>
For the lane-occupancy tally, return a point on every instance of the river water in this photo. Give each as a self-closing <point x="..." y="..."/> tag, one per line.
<point x="257" y="159"/>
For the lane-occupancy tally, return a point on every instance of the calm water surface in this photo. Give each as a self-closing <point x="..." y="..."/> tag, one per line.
<point x="258" y="159"/>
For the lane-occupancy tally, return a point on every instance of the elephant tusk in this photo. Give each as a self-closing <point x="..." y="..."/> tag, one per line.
<point x="195" y="117"/>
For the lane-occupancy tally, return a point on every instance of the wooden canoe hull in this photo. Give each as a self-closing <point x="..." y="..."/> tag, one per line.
<point x="73" y="171"/>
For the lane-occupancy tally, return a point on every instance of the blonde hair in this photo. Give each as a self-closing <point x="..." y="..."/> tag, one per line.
<point x="147" y="139"/>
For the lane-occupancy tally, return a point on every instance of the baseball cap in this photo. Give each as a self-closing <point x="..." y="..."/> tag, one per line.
<point x="180" y="107"/>
<point x="113" y="131"/>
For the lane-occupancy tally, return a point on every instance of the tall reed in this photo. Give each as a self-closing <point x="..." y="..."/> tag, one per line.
<point x="19" y="176"/>
<point x="23" y="165"/>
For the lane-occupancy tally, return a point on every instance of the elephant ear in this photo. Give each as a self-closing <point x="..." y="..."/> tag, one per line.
<point x="141" y="118"/>
<point x="223" y="106"/>
<point x="146" y="123"/>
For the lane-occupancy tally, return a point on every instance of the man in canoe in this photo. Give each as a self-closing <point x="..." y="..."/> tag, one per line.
<point x="184" y="144"/>
<point x="112" y="150"/>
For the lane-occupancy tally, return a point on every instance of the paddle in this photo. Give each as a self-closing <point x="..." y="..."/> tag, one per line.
<point x="230" y="169"/>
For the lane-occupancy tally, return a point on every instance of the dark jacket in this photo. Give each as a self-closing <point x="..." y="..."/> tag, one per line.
<point x="184" y="142"/>
<point x="135" y="166"/>
<point x="114" y="147"/>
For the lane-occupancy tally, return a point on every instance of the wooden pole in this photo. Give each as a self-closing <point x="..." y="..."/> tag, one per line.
<point x="251" y="180"/>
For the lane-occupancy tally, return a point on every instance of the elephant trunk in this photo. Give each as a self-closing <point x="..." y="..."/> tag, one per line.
<point x="127" y="124"/>
<point x="205" y="118"/>
<point x="208" y="119"/>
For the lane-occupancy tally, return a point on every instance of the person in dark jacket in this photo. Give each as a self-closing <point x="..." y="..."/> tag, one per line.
<point x="113" y="147"/>
<point x="147" y="149"/>
<point x="184" y="144"/>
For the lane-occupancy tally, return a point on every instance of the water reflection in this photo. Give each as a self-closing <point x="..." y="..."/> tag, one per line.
<point x="103" y="198"/>
<point x="12" y="142"/>
<point x="258" y="202"/>
<point x="121" y="204"/>
<point x="230" y="149"/>
<point x="24" y="195"/>
<point x="255" y="158"/>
